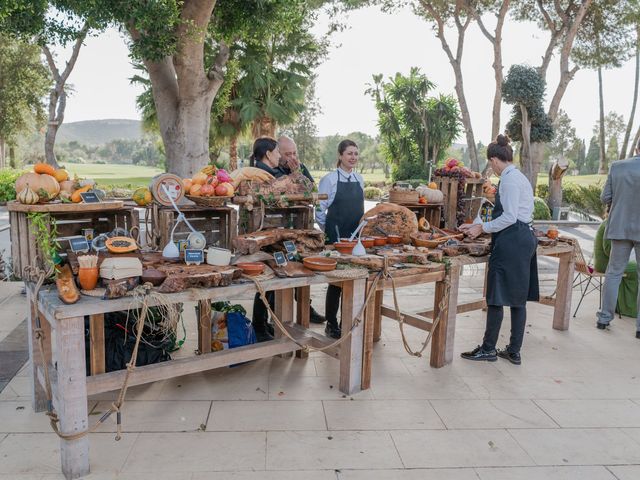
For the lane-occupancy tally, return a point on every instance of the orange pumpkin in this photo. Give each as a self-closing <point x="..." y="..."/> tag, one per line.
<point x="552" y="233"/>
<point x="68" y="186"/>
<point x="44" y="185"/>
<point x="61" y="175"/>
<point x="433" y="185"/>
<point x="44" y="168"/>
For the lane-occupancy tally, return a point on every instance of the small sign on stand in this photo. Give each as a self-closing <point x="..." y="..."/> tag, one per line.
<point x="90" y="197"/>
<point x="79" y="244"/>
<point x="291" y="249"/>
<point x="193" y="256"/>
<point x="280" y="259"/>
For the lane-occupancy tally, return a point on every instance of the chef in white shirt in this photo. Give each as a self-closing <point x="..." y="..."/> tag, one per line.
<point x="512" y="278"/>
<point x="341" y="212"/>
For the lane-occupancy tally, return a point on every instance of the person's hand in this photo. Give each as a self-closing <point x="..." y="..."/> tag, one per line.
<point x="293" y="163"/>
<point x="471" y="230"/>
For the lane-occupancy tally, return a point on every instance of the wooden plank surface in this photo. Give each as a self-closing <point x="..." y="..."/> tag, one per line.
<point x="303" y="312"/>
<point x="443" y="336"/>
<point x="562" y="307"/>
<point x="96" y="342"/>
<point x="367" y="351"/>
<point x="377" y="323"/>
<point x="38" y="395"/>
<point x="351" y="350"/>
<point x="204" y="326"/>
<point x="15" y="206"/>
<point x="417" y="321"/>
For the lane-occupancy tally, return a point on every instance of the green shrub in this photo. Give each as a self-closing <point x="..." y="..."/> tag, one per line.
<point x="543" y="191"/>
<point x="415" y="182"/>
<point x="540" y="209"/>
<point x="8" y="178"/>
<point x="372" y="193"/>
<point x="586" y="199"/>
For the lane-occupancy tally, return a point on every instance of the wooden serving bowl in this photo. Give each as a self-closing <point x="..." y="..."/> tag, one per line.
<point x="320" y="264"/>
<point x="379" y="241"/>
<point x="344" y="247"/>
<point x="251" y="268"/>
<point x="394" y="239"/>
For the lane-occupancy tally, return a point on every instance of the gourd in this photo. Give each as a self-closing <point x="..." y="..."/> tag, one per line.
<point x="75" y="197"/>
<point x="142" y="196"/>
<point x="44" y="185"/>
<point x="44" y="168"/>
<point x="28" y="196"/>
<point x="121" y="245"/>
<point x="67" y="186"/>
<point x="423" y="225"/>
<point x="432" y="196"/>
<point x="60" y="175"/>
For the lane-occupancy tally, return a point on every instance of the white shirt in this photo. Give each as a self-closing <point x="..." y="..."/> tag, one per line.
<point x="516" y="197"/>
<point x="329" y="185"/>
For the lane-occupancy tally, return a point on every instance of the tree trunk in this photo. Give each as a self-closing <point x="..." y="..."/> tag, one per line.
<point x="556" y="172"/>
<point x="466" y="119"/>
<point x="233" y="153"/>
<point x="602" y="168"/>
<point x="12" y="156"/>
<point x="627" y="134"/>
<point x="536" y="156"/>
<point x="525" y="149"/>
<point x="2" y="153"/>
<point x="264" y="126"/>
<point x="634" y="145"/>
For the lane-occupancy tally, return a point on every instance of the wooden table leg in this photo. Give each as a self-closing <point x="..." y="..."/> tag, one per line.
<point x="204" y="326"/>
<point x="96" y="337"/>
<point x="284" y="311"/>
<point x="72" y="395"/>
<point x="303" y="306"/>
<point x="38" y="394"/>
<point x="351" y="350"/>
<point x="377" y="315"/>
<point x="443" y="337"/>
<point x="562" y="309"/>
<point x="367" y="355"/>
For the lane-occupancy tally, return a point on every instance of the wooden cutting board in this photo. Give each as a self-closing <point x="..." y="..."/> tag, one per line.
<point x="291" y="270"/>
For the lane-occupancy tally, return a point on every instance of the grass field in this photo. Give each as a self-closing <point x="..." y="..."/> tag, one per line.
<point x="133" y="175"/>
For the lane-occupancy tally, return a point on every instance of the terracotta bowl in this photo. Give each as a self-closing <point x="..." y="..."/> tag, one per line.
<point x="320" y="264"/>
<point x="394" y="239"/>
<point x="367" y="242"/>
<point x="251" y="268"/>
<point x="344" y="247"/>
<point x="379" y="241"/>
<point x="153" y="276"/>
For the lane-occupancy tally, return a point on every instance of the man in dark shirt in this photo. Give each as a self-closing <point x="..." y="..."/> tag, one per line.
<point x="289" y="162"/>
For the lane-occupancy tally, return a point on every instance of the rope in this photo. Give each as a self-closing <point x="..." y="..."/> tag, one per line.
<point x="306" y="348"/>
<point x="38" y="277"/>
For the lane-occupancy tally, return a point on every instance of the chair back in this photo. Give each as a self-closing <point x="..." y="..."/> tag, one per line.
<point x="581" y="264"/>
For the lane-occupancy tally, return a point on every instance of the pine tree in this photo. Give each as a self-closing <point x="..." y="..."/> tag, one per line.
<point x="592" y="159"/>
<point x="581" y="158"/>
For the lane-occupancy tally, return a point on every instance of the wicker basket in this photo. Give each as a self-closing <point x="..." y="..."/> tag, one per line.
<point x="209" y="201"/>
<point x="403" y="196"/>
<point x="419" y="241"/>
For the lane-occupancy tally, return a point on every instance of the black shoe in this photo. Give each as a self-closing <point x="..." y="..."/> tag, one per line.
<point x="512" y="357"/>
<point x="638" y="334"/>
<point x="315" y="317"/>
<point x="332" y="330"/>
<point x="601" y="326"/>
<point x="263" y="337"/>
<point x="479" y="355"/>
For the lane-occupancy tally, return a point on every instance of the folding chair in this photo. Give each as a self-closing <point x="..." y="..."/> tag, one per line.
<point x="587" y="278"/>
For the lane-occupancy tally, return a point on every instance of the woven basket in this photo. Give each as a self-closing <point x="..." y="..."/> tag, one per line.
<point x="348" y="273"/>
<point x="403" y="196"/>
<point x="209" y="201"/>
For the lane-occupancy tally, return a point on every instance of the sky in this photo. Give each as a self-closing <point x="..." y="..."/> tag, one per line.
<point x="374" y="42"/>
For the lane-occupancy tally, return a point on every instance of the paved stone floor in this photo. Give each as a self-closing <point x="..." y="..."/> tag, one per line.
<point x="571" y="411"/>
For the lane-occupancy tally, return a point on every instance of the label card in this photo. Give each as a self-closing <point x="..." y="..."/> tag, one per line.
<point x="280" y="259"/>
<point x="193" y="257"/>
<point x="89" y="197"/>
<point x="79" y="244"/>
<point x="290" y="246"/>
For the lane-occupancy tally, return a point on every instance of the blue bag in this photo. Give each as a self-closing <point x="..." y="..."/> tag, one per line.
<point x="240" y="330"/>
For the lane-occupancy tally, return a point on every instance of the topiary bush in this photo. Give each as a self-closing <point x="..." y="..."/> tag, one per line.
<point x="8" y="177"/>
<point x="540" y="209"/>
<point x="372" y="193"/>
<point x="542" y="191"/>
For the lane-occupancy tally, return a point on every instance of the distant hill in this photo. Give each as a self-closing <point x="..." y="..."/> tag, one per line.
<point x="99" y="132"/>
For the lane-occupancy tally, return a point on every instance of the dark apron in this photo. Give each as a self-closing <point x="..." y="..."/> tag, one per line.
<point x="512" y="279"/>
<point x="346" y="210"/>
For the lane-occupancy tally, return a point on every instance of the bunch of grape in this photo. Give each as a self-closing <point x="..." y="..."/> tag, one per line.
<point x="461" y="176"/>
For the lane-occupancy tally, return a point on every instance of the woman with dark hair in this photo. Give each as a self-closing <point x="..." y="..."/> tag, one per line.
<point x="512" y="278"/>
<point x="266" y="156"/>
<point x="341" y="212"/>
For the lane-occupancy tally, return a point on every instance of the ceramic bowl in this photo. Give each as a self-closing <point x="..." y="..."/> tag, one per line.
<point x="367" y="242"/>
<point x="394" y="239"/>
<point x="344" y="247"/>
<point x="251" y="268"/>
<point x="320" y="264"/>
<point x="218" y="256"/>
<point x="379" y="241"/>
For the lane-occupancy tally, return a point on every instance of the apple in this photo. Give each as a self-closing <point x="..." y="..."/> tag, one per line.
<point x="224" y="190"/>
<point x="207" y="190"/>
<point x="213" y="181"/>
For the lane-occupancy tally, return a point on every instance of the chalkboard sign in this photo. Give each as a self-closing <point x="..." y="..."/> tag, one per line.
<point x="193" y="257"/>
<point x="90" y="197"/>
<point x="280" y="259"/>
<point x="79" y="244"/>
<point x="290" y="247"/>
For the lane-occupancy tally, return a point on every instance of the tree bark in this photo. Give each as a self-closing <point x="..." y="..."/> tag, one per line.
<point x="12" y="156"/>
<point x="2" y="152"/>
<point x="556" y="172"/>
<point x="525" y="148"/>
<point x="264" y="126"/>
<point x="58" y="95"/>
<point x="627" y="134"/>
<point x="602" y="167"/>
<point x="233" y="153"/>
<point x="634" y="145"/>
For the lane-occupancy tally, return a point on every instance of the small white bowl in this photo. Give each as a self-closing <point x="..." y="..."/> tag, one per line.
<point x="218" y="256"/>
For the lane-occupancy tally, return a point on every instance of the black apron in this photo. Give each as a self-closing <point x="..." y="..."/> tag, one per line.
<point x="512" y="279"/>
<point x="346" y="210"/>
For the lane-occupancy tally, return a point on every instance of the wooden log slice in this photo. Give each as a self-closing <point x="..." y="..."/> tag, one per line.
<point x="393" y="219"/>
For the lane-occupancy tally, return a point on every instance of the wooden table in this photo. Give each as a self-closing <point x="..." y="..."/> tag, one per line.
<point x="71" y="386"/>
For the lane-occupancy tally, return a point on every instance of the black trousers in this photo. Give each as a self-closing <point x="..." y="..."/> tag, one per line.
<point x="260" y="312"/>
<point x="494" y="321"/>
<point x="332" y="304"/>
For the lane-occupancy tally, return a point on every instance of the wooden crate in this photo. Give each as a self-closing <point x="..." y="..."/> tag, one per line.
<point x="431" y="211"/>
<point x="296" y="216"/>
<point x="472" y="193"/>
<point x="70" y="220"/>
<point x="217" y="224"/>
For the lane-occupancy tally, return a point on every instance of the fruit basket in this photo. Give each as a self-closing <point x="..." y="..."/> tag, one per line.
<point x="217" y="201"/>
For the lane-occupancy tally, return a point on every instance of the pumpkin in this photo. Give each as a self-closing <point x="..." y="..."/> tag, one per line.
<point x="433" y="196"/>
<point x="44" y="185"/>
<point x="61" y="175"/>
<point x="199" y="178"/>
<point x="44" y="168"/>
<point x="187" y="182"/>
<point x="433" y="186"/>
<point x="28" y="196"/>
<point x="121" y="245"/>
<point x="552" y="233"/>
<point x="422" y="201"/>
<point x="68" y="186"/>
<point x="142" y="196"/>
<point x="75" y="196"/>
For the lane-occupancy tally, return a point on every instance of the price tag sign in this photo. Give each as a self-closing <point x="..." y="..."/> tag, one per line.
<point x="280" y="259"/>
<point x="79" y="244"/>
<point x="193" y="256"/>
<point x="89" y="197"/>
<point x="290" y="247"/>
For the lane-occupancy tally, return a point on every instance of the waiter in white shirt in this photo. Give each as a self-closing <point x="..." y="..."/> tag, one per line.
<point x="341" y="212"/>
<point x="512" y="279"/>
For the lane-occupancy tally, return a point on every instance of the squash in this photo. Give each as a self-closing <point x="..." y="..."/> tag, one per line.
<point x="68" y="186"/>
<point x="552" y="233"/>
<point x="199" y="178"/>
<point x="433" y="196"/>
<point x="142" y="196"/>
<point x="44" y="185"/>
<point x="61" y="175"/>
<point x="67" y="290"/>
<point x="423" y="225"/>
<point x="45" y="168"/>
<point x="433" y="185"/>
<point x="28" y="196"/>
<point x="75" y="196"/>
<point x="121" y="245"/>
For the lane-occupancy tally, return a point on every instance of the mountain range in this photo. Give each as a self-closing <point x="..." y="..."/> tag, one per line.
<point x="99" y="132"/>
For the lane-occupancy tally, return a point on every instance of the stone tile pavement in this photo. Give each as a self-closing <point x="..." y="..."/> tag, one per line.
<point x="570" y="412"/>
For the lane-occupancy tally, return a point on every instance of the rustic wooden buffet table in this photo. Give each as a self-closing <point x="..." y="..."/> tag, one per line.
<point x="64" y="349"/>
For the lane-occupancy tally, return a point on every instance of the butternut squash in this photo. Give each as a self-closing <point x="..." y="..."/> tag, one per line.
<point x="75" y="196"/>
